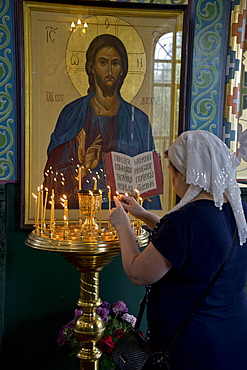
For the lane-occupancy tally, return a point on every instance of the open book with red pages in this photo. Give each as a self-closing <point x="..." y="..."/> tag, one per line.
<point x="125" y="174"/>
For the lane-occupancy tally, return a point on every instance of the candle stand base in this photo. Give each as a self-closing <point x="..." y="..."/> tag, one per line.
<point x="89" y="253"/>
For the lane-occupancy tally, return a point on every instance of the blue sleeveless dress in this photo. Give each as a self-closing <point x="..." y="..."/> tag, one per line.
<point x="196" y="240"/>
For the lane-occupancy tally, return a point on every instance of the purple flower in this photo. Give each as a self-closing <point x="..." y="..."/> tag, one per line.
<point x="61" y="339"/>
<point x="119" y="307"/>
<point x="129" y="318"/>
<point x="103" y="312"/>
<point x="106" y="305"/>
<point x="70" y="326"/>
<point x="65" y="334"/>
<point x="77" y="314"/>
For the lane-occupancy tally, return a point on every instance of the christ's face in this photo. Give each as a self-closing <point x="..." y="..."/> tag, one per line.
<point x="107" y="70"/>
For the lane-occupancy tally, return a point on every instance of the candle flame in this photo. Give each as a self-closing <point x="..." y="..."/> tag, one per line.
<point x="108" y="187"/>
<point x="137" y="191"/>
<point x="100" y="191"/>
<point x="126" y="194"/>
<point x="91" y="193"/>
<point x="35" y="196"/>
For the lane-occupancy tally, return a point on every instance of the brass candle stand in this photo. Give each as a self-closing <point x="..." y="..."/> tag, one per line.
<point x="88" y="248"/>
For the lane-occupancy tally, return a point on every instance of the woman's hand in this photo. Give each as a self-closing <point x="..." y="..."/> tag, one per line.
<point x="131" y="205"/>
<point x="118" y="217"/>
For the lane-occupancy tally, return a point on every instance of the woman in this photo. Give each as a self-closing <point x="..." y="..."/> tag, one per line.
<point x="186" y="249"/>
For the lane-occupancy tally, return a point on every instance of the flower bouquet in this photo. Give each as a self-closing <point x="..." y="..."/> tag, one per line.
<point x="116" y="319"/>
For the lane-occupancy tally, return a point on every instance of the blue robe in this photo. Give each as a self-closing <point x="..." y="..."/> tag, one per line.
<point x="128" y="132"/>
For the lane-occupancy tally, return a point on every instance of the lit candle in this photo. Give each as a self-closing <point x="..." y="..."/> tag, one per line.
<point x="109" y="197"/>
<point x="37" y="219"/>
<point x="100" y="207"/>
<point x="92" y="206"/>
<point x="41" y="207"/>
<point x="35" y="210"/>
<point x="67" y="209"/>
<point x="64" y="225"/>
<point x="95" y="183"/>
<point x="64" y="203"/>
<point x="52" y="209"/>
<point x="50" y="202"/>
<point x="46" y="196"/>
<point x="140" y="221"/>
<point x="138" y="201"/>
<point x="65" y="206"/>
<point x="55" y="182"/>
<point x="80" y="178"/>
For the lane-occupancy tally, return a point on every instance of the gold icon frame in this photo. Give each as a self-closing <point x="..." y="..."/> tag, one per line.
<point x="48" y="87"/>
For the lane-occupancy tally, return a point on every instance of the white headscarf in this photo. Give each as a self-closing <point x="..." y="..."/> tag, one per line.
<point x="208" y="164"/>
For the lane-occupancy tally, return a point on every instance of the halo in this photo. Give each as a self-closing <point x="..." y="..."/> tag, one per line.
<point x="80" y="40"/>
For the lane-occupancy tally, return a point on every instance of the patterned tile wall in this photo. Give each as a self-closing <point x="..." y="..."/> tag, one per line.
<point x="210" y="28"/>
<point x="7" y="107"/>
<point x="233" y="73"/>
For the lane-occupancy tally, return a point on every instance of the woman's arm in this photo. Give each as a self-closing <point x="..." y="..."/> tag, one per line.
<point x="131" y="205"/>
<point x="142" y="268"/>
